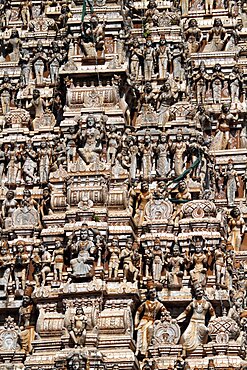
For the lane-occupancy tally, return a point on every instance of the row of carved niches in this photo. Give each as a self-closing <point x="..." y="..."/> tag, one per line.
<point x="154" y="58"/>
<point x="214" y="87"/>
<point x="167" y="331"/>
<point x="93" y="44"/>
<point x="61" y="26"/>
<point x="92" y="143"/>
<point x="99" y="143"/>
<point x="87" y="39"/>
<point x="79" y="252"/>
<point x="80" y="322"/>
<point x="64" y="12"/>
<point x="148" y="105"/>
<point x="163" y="105"/>
<point x="36" y="61"/>
<point x="166" y="14"/>
<point x="99" y="208"/>
<point x="145" y="203"/>
<point x="32" y="16"/>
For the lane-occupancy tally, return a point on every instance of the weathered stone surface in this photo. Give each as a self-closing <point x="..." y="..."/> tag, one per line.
<point x="123" y="172"/>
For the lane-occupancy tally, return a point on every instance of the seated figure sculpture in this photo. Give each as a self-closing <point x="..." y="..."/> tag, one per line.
<point x="79" y="324"/>
<point x="83" y="248"/>
<point x="90" y="141"/>
<point x="216" y="36"/>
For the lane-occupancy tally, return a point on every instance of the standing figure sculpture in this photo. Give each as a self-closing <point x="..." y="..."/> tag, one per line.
<point x="163" y="163"/>
<point x="226" y="122"/>
<point x="6" y="263"/>
<point x="193" y="35"/>
<point x="29" y="166"/>
<point x="145" y="316"/>
<point x="2" y="163"/>
<point x="37" y="104"/>
<point x="162" y="55"/>
<point x="123" y="35"/>
<point x="196" y="333"/>
<point x="114" y="260"/>
<point x="220" y="265"/>
<point x="231" y="183"/>
<point x="178" y="57"/>
<point x="203" y="122"/>
<point x="44" y="156"/>
<point x="45" y="263"/>
<point x="45" y="207"/>
<point x="136" y="56"/>
<point x="147" y="157"/>
<point x="235" y="84"/>
<point x="9" y="205"/>
<point x="39" y="63"/>
<point x="176" y="267"/>
<point x="129" y="268"/>
<point x="165" y="100"/>
<point x="236" y="228"/>
<point x="141" y="202"/>
<point x="6" y="90"/>
<point x="112" y="145"/>
<point x="184" y="6"/>
<point x="26" y="12"/>
<point x="178" y="148"/>
<point x="54" y="62"/>
<point x="13" y="46"/>
<point x="21" y="262"/>
<point x="158" y="260"/>
<point x="209" y="6"/>
<point x="25" y="66"/>
<point x="201" y="82"/>
<point x="71" y="140"/>
<point x="216" y="37"/>
<point x="14" y="165"/>
<point x="5" y="12"/>
<point x="199" y="272"/>
<point x="148" y="60"/>
<point x="133" y="151"/>
<point x="217" y="83"/>
<point x="147" y="102"/>
<point x="58" y="260"/>
<point x="199" y="157"/>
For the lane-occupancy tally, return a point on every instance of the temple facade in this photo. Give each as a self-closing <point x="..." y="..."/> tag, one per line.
<point x="123" y="185"/>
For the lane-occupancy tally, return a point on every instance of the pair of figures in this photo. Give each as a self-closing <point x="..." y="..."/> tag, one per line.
<point x="196" y="332"/>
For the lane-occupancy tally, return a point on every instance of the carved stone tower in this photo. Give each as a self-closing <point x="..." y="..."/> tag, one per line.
<point x="123" y="185"/>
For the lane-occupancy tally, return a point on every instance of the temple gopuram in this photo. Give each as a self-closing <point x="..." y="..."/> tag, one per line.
<point x="123" y="185"/>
